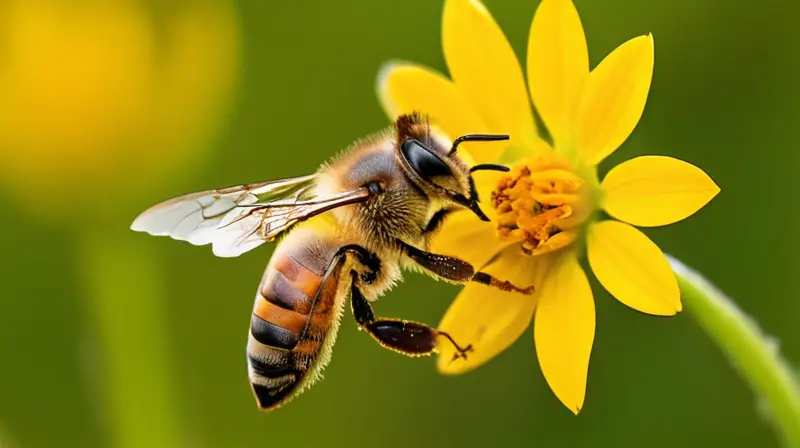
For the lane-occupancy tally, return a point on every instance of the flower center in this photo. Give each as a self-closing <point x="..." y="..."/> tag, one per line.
<point x="540" y="203"/>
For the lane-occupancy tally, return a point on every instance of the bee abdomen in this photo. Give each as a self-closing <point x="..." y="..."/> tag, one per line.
<point x="292" y="316"/>
<point x="271" y="334"/>
<point x="272" y="382"/>
<point x="282" y="314"/>
<point x="290" y="285"/>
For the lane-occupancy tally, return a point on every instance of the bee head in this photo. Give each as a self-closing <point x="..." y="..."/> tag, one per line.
<point x="433" y="166"/>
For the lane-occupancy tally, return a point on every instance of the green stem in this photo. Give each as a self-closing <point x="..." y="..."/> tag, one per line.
<point x="751" y="352"/>
<point x="127" y="308"/>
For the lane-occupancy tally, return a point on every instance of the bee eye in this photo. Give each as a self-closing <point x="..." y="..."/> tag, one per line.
<point x="422" y="160"/>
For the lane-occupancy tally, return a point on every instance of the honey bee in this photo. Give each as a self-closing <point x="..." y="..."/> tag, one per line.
<point x="375" y="209"/>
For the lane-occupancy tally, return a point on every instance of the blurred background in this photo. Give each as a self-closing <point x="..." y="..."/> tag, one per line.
<point x="110" y="338"/>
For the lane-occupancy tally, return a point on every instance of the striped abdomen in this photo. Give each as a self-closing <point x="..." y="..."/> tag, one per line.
<point x="294" y="319"/>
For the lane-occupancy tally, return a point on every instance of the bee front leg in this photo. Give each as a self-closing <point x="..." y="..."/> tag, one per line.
<point x="408" y="338"/>
<point x="457" y="270"/>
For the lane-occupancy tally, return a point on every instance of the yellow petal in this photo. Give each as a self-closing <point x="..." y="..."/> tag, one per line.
<point x="558" y="66"/>
<point x="614" y="98"/>
<point x="489" y="319"/>
<point x="632" y="268"/>
<point x="656" y="190"/>
<point x="405" y="88"/>
<point x="484" y="67"/>
<point x="465" y="236"/>
<point x="564" y="330"/>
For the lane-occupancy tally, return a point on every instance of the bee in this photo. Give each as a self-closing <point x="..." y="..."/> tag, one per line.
<point x="375" y="208"/>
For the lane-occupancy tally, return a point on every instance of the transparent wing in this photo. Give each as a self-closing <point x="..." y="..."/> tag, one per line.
<point x="237" y="219"/>
<point x="194" y="217"/>
<point x="198" y="217"/>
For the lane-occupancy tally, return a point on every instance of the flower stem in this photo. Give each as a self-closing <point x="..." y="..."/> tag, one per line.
<point x="126" y="307"/>
<point x="751" y="352"/>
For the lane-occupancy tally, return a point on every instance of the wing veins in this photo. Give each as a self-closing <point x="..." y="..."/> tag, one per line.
<point x="260" y="211"/>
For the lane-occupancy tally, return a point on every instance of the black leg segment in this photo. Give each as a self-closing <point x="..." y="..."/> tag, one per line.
<point x="436" y="220"/>
<point x="457" y="270"/>
<point x="362" y="311"/>
<point x="408" y="338"/>
<point x="450" y="268"/>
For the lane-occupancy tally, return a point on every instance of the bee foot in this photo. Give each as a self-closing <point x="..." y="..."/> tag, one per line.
<point x="462" y="353"/>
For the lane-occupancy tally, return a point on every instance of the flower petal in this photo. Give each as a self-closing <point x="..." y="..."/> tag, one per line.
<point x="632" y="268"/>
<point x="490" y="319"/>
<point x="656" y="190"/>
<point x="564" y="330"/>
<point x="558" y="66"/>
<point x="483" y="65"/>
<point x="405" y="88"/>
<point x="614" y="98"/>
<point x="465" y="236"/>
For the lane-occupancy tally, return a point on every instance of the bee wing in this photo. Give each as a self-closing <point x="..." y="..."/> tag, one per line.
<point x="251" y="225"/>
<point x="238" y="219"/>
<point x="195" y="217"/>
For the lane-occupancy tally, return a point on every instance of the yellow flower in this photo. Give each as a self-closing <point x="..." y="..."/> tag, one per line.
<point x="545" y="211"/>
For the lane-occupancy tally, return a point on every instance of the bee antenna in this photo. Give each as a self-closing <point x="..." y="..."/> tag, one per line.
<point x="476" y="138"/>
<point x="489" y="167"/>
<point x="428" y="129"/>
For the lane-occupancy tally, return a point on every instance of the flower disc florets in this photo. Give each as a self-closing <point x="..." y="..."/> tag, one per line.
<point x="542" y="204"/>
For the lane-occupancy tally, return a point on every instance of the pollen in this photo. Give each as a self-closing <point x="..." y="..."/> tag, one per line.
<point x="540" y="203"/>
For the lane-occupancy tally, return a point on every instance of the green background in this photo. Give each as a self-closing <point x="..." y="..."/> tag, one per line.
<point x="724" y="97"/>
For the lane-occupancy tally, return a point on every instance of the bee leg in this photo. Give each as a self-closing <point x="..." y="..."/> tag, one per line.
<point x="457" y="270"/>
<point x="408" y="338"/>
<point x="503" y="285"/>
<point x="366" y="258"/>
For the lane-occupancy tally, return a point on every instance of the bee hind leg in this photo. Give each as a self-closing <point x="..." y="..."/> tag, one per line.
<point x="461" y="352"/>
<point x="408" y="338"/>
